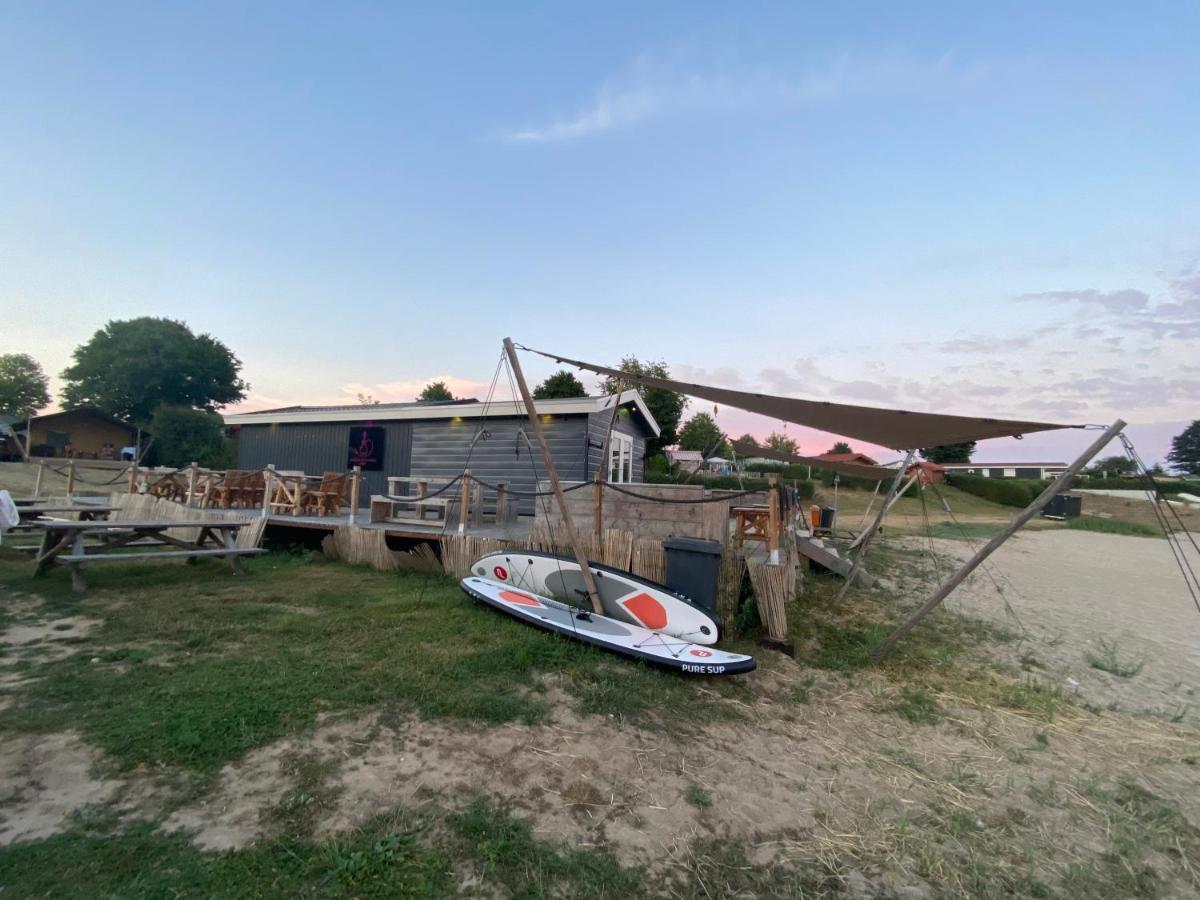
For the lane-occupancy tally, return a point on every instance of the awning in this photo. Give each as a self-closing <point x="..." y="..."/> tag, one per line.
<point x="896" y="428"/>
<point x="858" y="470"/>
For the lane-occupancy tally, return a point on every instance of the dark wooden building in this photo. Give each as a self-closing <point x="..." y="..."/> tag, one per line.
<point x="437" y="440"/>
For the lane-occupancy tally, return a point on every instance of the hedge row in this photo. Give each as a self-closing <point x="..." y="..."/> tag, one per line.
<point x="804" y="488"/>
<point x="1005" y="491"/>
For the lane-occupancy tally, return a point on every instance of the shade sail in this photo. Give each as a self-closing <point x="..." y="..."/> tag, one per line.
<point x="896" y="428"/>
<point x="858" y="470"/>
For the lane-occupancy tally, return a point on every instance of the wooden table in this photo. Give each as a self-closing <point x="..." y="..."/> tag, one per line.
<point x="63" y="544"/>
<point x="87" y="512"/>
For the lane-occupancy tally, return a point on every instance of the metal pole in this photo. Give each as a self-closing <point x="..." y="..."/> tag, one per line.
<point x="552" y="474"/>
<point x="601" y="474"/>
<point x="1056" y="487"/>
<point x="870" y="534"/>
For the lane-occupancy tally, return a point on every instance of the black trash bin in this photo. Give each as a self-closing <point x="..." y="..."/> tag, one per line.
<point x="692" y="568"/>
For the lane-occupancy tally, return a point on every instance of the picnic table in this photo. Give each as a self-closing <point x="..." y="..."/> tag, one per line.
<point x="63" y="544"/>
<point x="86" y="512"/>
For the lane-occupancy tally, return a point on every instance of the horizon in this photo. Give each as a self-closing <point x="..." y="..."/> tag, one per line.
<point x="971" y="211"/>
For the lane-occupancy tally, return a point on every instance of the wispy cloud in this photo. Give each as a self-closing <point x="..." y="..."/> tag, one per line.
<point x="652" y="88"/>
<point x="1127" y="300"/>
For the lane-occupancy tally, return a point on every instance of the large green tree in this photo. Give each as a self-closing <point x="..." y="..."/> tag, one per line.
<point x="183" y="435"/>
<point x="435" y="391"/>
<point x="1185" y="450"/>
<point x="129" y="368"/>
<point x="950" y="453"/>
<point x="666" y="406"/>
<point x="24" y="387"/>
<point x="782" y="443"/>
<point x="560" y="385"/>
<point x="840" y="447"/>
<point x="700" y="432"/>
<point x="1112" y="467"/>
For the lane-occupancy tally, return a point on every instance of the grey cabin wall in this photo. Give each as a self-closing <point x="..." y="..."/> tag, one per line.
<point x="439" y="450"/>
<point x="625" y="424"/>
<point x="318" y="447"/>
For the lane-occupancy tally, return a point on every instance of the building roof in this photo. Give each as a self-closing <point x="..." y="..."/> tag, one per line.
<point x="685" y="455"/>
<point x="464" y="409"/>
<point x="19" y="424"/>
<point x="849" y="457"/>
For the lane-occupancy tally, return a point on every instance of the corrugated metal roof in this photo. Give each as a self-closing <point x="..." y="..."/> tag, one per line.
<point x="363" y="407"/>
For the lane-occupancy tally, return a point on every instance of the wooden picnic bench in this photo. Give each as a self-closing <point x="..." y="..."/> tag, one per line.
<point x="63" y="544"/>
<point x="86" y="512"/>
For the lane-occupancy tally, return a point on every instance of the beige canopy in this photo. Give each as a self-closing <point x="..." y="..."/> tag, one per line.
<point x="896" y="428"/>
<point x="858" y="470"/>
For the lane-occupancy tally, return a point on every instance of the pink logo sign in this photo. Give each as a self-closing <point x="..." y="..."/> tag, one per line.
<point x="698" y="652"/>
<point x="500" y="573"/>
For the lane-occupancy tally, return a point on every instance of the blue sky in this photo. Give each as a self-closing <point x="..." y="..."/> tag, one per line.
<point x="932" y="206"/>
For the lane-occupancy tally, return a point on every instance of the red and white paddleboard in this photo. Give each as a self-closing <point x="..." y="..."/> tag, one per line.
<point x="632" y="641"/>
<point x="625" y="597"/>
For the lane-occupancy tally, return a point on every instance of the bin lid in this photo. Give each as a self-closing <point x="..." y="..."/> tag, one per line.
<point x="693" y="545"/>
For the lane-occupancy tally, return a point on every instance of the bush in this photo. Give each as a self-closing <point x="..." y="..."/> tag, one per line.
<point x="1005" y="491"/>
<point x="183" y="435"/>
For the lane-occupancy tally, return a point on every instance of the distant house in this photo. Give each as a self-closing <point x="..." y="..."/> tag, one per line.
<point x="685" y="460"/>
<point x="861" y="458"/>
<point x="1041" y="470"/>
<point x="82" y="433"/>
<point x="439" y="440"/>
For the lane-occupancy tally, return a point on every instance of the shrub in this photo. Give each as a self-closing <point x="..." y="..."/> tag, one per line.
<point x="1005" y="491"/>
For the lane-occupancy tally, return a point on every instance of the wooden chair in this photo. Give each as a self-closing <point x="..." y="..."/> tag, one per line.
<point x="228" y="491"/>
<point x="326" y="498"/>
<point x="253" y="489"/>
<point x="288" y="494"/>
<point x="170" y="487"/>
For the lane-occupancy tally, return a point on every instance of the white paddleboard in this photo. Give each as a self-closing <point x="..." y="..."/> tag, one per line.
<point x="623" y="596"/>
<point x="632" y="641"/>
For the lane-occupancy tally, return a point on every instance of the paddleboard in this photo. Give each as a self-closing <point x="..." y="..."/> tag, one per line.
<point x="632" y="641"/>
<point x="623" y="596"/>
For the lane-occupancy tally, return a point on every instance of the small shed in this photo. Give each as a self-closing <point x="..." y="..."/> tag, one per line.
<point x="85" y="432"/>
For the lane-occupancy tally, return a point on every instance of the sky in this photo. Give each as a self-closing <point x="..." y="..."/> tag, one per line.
<point x="965" y="208"/>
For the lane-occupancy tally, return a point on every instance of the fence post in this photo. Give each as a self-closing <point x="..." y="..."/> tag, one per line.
<point x="268" y="487"/>
<point x="465" y="502"/>
<point x="501" y="502"/>
<point x="773" y="520"/>
<point x="71" y="479"/>
<point x="355" y="482"/>
<point x="133" y="477"/>
<point x="191" y="484"/>
<point x="37" y="485"/>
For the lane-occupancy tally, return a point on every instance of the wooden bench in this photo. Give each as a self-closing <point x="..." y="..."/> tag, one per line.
<point x="63" y="543"/>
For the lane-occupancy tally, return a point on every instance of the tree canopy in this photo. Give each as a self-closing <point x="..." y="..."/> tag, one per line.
<point x="435" y="391"/>
<point x="840" y="447"/>
<point x="748" y="439"/>
<point x="949" y="453"/>
<point x="559" y="385"/>
<point x="24" y="387"/>
<point x="666" y="406"/>
<point x="782" y="443"/>
<point x="1112" y="466"/>
<point x="130" y="367"/>
<point x="1185" y="450"/>
<point x="700" y="432"/>
<point x="183" y="435"/>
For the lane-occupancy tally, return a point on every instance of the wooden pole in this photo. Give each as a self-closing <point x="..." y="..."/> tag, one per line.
<point x="464" y="502"/>
<point x="552" y="474"/>
<point x="191" y="484"/>
<point x="27" y="450"/>
<point x="602" y="469"/>
<point x="133" y="476"/>
<point x="268" y="487"/>
<point x="870" y="533"/>
<point x="1056" y="487"/>
<point x="70" y="479"/>
<point x="355" y="490"/>
<point x="37" y="485"/>
<point x="773" y="520"/>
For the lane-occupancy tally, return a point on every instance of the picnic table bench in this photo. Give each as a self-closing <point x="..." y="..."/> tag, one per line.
<point x="63" y="544"/>
<point x="87" y="512"/>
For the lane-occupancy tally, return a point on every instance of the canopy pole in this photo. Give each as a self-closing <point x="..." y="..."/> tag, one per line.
<point x="870" y="532"/>
<point x="552" y="474"/>
<point x="1061" y="483"/>
<point x="601" y="474"/>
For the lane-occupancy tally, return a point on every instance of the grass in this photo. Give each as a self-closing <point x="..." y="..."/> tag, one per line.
<point x="1112" y="526"/>
<point x="698" y="797"/>
<point x="196" y="667"/>
<point x="1108" y="658"/>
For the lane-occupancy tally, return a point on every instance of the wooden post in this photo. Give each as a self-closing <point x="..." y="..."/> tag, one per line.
<point x="552" y="474"/>
<point x="464" y="501"/>
<point x="27" y="450"/>
<point x="870" y="533"/>
<point x="191" y="485"/>
<point x="1056" y="487"/>
<point x="37" y="485"/>
<point x="774" y="520"/>
<point x="501" y="502"/>
<point x="70" y="479"/>
<point x="268" y="488"/>
<point x="133" y="476"/>
<point x="355" y="489"/>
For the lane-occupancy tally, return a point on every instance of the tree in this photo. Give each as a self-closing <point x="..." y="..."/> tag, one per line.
<point x="747" y="439"/>
<point x="183" y="435"/>
<point x="781" y="443"/>
<point x="367" y="399"/>
<point x="949" y="453"/>
<point x="666" y="406"/>
<point x="561" y="384"/>
<point x="1112" y="467"/>
<point x="840" y="447"/>
<point x="435" y="391"/>
<point x="700" y="432"/>
<point x="128" y="368"/>
<point x="1185" y="450"/>
<point x="24" y="387"/>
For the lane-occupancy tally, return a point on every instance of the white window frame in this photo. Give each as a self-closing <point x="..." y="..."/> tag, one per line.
<point x="620" y="459"/>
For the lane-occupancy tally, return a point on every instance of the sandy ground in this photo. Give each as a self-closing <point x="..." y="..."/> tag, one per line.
<point x="1081" y="594"/>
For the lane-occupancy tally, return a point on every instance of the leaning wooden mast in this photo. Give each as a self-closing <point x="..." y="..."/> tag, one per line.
<point x="535" y="425"/>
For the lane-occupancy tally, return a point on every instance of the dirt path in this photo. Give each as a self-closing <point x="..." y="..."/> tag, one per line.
<point x="1086" y="598"/>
